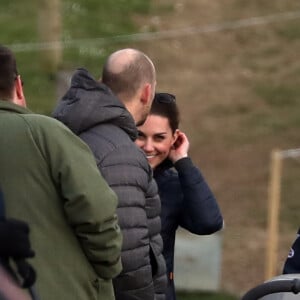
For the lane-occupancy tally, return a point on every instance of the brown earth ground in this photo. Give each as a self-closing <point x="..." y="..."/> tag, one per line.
<point x="212" y="75"/>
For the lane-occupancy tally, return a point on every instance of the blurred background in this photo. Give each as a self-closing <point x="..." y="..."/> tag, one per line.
<point x="235" y="69"/>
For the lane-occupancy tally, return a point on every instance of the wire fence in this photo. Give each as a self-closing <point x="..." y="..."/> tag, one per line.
<point x="158" y="35"/>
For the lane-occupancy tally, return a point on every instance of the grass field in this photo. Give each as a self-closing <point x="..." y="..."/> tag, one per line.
<point x="81" y="20"/>
<point x="238" y="91"/>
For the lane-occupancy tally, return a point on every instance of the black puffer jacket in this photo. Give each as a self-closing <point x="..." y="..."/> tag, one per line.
<point x="91" y="111"/>
<point x="187" y="201"/>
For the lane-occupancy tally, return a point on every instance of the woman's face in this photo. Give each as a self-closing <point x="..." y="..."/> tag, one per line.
<point x="156" y="139"/>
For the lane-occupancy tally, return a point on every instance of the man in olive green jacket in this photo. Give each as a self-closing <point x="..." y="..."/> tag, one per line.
<point x="50" y="180"/>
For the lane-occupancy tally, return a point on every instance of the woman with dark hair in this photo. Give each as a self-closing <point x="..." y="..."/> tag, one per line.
<point x="186" y="198"/>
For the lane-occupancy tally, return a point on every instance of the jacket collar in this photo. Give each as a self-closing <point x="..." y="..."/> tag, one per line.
<point x="165" y="165"/>
<point x="11" y="107"/>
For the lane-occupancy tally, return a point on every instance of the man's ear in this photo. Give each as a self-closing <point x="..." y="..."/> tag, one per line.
<point x="146" y="94"/>
<point x="19" y="97"/>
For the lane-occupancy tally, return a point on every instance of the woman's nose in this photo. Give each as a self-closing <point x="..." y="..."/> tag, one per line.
<point x="148" y="146"/>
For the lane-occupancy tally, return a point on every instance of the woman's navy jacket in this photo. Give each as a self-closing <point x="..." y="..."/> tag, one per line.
<point x="187" y="201"/>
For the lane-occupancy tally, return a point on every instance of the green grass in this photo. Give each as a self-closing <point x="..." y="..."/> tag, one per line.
<point x="267" y="107"/>
<point x="83" y="19"/>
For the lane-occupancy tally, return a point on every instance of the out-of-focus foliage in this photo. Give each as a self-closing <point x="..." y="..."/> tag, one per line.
<point x="82" y="20"/>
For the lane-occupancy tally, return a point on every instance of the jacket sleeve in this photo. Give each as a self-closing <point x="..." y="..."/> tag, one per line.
<point x="89" y="203"/>
<point x="292" y="262"/>
<point x="200" y="212"/>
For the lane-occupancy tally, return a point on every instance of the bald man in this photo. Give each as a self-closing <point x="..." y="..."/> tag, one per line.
<point x="131" y="76"/>
<point x="105" y="113"/>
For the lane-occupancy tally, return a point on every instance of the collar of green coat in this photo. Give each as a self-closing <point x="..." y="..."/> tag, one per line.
<point x="9" y="106"/>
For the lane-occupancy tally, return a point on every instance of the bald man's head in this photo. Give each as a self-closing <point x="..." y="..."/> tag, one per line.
<point x="126" y="71"/>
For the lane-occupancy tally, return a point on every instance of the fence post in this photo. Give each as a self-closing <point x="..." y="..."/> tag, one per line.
<point x="49" y="28"/>
<point x="273" y="214"/>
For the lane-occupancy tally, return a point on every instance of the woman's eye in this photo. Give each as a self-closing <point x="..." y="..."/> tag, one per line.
<point x="140" y="134"/>
<point x="159" y="138"/>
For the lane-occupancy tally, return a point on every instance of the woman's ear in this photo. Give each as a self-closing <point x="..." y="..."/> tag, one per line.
<point x="176" y="133"/>
<point x="175" y="138"/>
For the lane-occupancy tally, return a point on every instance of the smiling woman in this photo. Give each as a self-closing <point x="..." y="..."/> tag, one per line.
<point x="156" y="139"/>
<point x="159" y="135"/>
<point x="186" y="199"/>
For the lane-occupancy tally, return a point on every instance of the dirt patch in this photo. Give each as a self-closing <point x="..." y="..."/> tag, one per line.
<point x="212" y="75"/>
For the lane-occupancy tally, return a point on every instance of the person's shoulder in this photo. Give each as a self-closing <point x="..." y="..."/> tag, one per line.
<point x="38" y="118"/>
<point x="43" y="121"/>
<point x="44" y="127"/>
<point x="166" y="176"/>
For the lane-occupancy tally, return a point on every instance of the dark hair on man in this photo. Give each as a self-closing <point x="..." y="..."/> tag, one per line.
<point x="8" y="72"/>
<point x="126" y="70"/>
<point x="164" y="105"/>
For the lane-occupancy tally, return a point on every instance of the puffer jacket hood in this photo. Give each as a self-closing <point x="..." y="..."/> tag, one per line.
<point x="88" y="103"/>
